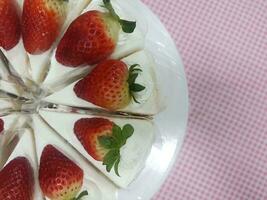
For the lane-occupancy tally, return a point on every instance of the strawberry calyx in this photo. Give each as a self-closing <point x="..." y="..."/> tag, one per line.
<point x="127" y="26"/>
<point x="113" y="144"/>
<point x="133" y="86"/>
<point x="81" y="195"/>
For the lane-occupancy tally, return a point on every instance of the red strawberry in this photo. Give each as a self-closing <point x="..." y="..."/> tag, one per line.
<point x="9" y="24"/>
<point x="102" y="139"/>
<point x="17" y="180"/>
<point x="109" y="85"/>
<point x="1" y="125"/>
<point x="92" y="37"/>
<point x="41" y="23"/>
<point x="59" y="177"/>
<point x="88" y="131"/>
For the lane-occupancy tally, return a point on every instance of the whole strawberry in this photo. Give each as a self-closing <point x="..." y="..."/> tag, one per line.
<point x="16" y="180"/>
<point x="1" y="125"/>
<point x="41" y="23"/>
<point x="10" y="31"/>
<point x="103" y="139"/>
<point x="110" y="85"/>
<point x="92" y="37"/>
<point x="59" y="177"/>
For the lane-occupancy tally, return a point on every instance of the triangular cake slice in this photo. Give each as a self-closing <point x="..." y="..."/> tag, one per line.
<point x="98" y="186"/>
<point x="26" y="148"/>
<point x="148" y="99"/>
<point x="127" y="44"/>
<point x="39" y="64"/>
<point x="133" y="153"/>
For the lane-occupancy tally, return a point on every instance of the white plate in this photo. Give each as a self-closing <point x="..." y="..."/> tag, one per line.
<point x="172" y="121"/>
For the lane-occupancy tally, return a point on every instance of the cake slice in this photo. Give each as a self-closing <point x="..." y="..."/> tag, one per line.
<point x="39" y="39"/>
<point x="122" y="164"/>
<point x="26" y="149"/>
<point x="145" y="102"/>
<point x="97" y="186"/>
<point x="118" y="44"/>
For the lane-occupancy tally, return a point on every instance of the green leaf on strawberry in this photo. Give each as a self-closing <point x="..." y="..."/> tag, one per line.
<point x="111" y="158"/>
<point x="127" y="131"/>
<point x="137" y="87"/>
<point x="116" y="133"/>
<point x="81" y="195"/>
<point x="134" y="71"/>
<point x="127" y="26"/>
<point x="113" y="144"/>
<point x="107" y="142"/>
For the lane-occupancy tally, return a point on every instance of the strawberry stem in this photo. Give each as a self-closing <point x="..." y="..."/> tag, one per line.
<point x="127" y="26"/>
<point x="113" y="144"/>
<point x="81" y="195"/>
<point x="133" y="86"/>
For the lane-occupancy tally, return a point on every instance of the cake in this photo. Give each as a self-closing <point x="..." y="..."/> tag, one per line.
<point x="78" y="93"/>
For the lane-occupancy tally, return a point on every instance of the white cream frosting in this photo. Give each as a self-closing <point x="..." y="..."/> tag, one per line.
<point x="26" y="148"/>
<point x="98" y="187"/>
<point x="132" y="158"/>
<point x="127" y="44"/>
<point x="148" y="98"/>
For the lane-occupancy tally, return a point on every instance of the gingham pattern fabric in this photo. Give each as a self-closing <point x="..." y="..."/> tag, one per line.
<point x="223" y="45"/>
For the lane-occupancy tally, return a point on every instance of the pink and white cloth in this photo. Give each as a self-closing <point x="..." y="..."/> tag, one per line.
<point x="223" y="45"/>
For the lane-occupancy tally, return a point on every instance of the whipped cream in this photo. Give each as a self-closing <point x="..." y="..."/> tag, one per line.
<point x="98" y="187"/>
<point x="132" y="158"/>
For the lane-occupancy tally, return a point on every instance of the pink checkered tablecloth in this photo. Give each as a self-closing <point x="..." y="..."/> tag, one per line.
<point x="223" y="45"/>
